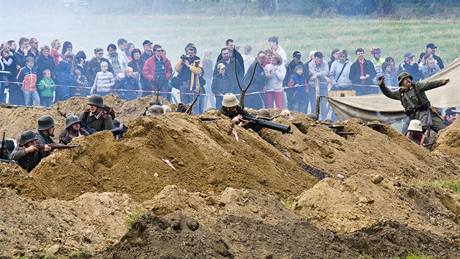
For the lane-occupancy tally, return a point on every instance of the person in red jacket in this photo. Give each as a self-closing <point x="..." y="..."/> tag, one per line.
<point x="157" y="71"/>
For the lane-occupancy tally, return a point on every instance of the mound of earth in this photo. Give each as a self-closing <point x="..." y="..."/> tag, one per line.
<point x="448" y="142"/>
<point x="87" y="224"/>
<point x="364" y="151"/>
<point x="249" y="224"/>
<point x="159" y="151"/>
<point x="362" y="201"/>
<point x="18" y="119"/>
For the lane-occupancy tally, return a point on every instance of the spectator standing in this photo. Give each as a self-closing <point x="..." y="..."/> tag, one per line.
<point x="334" y="57"/>
<point x="230" y="67"/>
<point x="377" y="60"/>
<point x="128" y="87"/>
<point x="275" y="73"/>
<point x="319" y="77"/>
<point x="122" y="47"/>
<point x="129" y="49"/>
<point x="362" y="73"/>
<point x="340" y="72"/>
<point x="310" y="89"/>
<point x="247" y="57"/>
<point x="21" y="54"/>
<point x="254" y="97"/>
<point x="296" y="95"/>
<point x="157" y="71"/>
<point x="296" y="60"/>
<point x="28" y="77"/>
<point x="277" y="49"/>
<point x="431" y="49"/>
<point x="16" y="96"/>
<point x="148" y="51"/>
<point x="190" y="73"/>
<point x="65" y="78"/>
<point x="430" y="68"/>
<point x="118" y="63"/>
<point x="67" y="48"/>
<point x="45" y="61"/>
<point x="80" y="61"/>
<point x="94" y="65"/>
<point x="409" y="66"/>
<point x="104" y="81"/>
<point x="46" y="89"/>
<point x="3" y="78"/>
<point x="12" y="46"/>
<point x="81" y="83"/>
<point x="33" y="51"/>
<point x="136" y="62"/>
<point x="234" y="54"/>
<point x="390" y="73"/>
<point x="221" y="84"/>
<point x="55" y="46"/>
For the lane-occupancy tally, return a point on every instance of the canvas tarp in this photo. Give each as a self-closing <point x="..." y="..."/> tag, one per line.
<point x="381" y="108"/>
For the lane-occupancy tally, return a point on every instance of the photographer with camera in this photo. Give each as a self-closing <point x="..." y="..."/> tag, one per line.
<point x="191" y="81"/>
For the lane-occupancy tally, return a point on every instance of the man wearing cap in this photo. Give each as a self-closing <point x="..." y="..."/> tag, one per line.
<point x="27" y="154"/>
<point x="93" y="119"/>
<point x="431" y="51"/>
<point x="72" y="130"/>
<point x="377" y="60"/>
<point x="148" y="50"/>
<point x="414" y="100"/>
<point x="45" y="130"/>
<point x="362" y="74"/>
<point x="451" y="116"/>
<point x="410" y="67"/>
<point x="296" y="60"/>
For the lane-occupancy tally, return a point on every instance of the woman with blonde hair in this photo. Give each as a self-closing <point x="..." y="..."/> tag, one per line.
<point x="55" y="46"/>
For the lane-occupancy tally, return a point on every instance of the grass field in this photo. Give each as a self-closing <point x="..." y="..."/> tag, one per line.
<point x="296" y="33"/>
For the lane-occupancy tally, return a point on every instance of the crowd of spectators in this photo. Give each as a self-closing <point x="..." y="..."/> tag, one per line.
<point x="33" y="75"/>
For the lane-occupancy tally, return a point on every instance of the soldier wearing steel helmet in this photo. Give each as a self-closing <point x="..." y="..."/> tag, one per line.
<point x="93" y="119"/>
<point x="45" y="129"/>
<point x="27" y="154"/>
<point x="414" y="100"/>
<point x="72" y="130"/>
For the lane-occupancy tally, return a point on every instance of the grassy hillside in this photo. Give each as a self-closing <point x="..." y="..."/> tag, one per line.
<point x="296" y="33"/>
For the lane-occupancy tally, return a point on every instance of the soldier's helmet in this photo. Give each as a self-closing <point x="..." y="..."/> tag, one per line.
<point x="156" y="110"/>
<point x="230" y="100"/>
<point x="45" y="122"/>
<point x="96" y="100"/>
<point x="403" y="75"/>
<point x="415" y="125"/>
<point x="71" y="120"/>
<point x="26" y="137"/>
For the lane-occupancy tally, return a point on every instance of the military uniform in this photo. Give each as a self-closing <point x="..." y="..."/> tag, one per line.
<point x="45" y="123"/>
<point x="415" y="102"/>
<point x="68" y="134"/>
<point x="98" y="121"/>
<point x="27" y="161"/>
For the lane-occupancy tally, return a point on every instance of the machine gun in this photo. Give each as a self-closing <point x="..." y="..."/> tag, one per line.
<point x="56" y="146"/>
<point x="260" y="123"/>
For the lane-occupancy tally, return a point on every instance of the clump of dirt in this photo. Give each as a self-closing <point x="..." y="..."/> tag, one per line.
<point x="18" y="119"/>
<point x="85" y="225"/>
<point x="362" y="201"/>
<point x="159" y="151"/>
<point x="448" y="142"/>
<point x="235" y="224"/>
<point x="363" y="151"/>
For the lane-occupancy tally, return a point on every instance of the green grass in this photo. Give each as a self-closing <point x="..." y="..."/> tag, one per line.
<point x="450" y="185"/>
<point x="296" y="32"/>
<point x="132" y="219"/>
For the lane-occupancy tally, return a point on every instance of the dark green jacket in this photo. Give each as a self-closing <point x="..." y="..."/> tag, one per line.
<point x="96" y="122"/>
<point x="415" y="98"/>
<point x="27" y="161"/>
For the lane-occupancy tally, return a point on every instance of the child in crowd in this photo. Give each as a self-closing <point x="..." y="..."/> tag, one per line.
<point x="46" y="88"/>
<point x="296" y="91"/>
<point x="104" y="81"/>
<point x="28" y="77"/>
<point x="81" y="83"/>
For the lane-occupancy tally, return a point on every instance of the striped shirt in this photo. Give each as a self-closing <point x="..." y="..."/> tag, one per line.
<point x="103" y="82"/>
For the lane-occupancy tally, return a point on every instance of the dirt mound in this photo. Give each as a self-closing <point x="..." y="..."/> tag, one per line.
<point x="365" y="152"/>
<point x="361" y="201"/>
<point x="235" y="224"/>
<point x="203" y="158"/>
<point x="88" y="224"/>
<point x="17" y="119"/>
<point x="448" y="142"/>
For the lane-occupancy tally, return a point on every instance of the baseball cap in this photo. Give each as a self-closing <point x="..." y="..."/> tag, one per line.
<point x="318" y="54"/>
<point x="408" y="55"/>
<point x="431" y="46"/>
<point x="296" y="54"/>
<point x="146" y="42"/>
<point x="451" y="111"/>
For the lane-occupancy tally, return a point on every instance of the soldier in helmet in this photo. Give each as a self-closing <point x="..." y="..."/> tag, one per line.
<point x="231" y="108"/>
<point x="156" y="110"/>
<point x="94" y="118"/>
<point x="72" y="130"/>
<point x="45" y="129"/>
<point x="27" y="154"/>
<point x="414" y="100"/>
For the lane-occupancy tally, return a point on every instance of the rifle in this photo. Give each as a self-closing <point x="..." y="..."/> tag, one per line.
<point x="56" y="146"/>
<point x="267" y="124"/>
<point x="2" y="150"/>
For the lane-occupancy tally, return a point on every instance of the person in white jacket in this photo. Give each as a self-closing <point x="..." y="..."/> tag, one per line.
<point x="104" y="81"/>
<point x="340" y="71"/>
<point x="277" y="49"/>
<point x="275" y="73"/>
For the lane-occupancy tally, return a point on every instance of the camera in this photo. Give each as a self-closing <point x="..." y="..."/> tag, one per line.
<point x="183" y="57"/>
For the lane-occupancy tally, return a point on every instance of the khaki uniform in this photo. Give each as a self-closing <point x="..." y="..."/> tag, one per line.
<point x="416" y="104"/>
